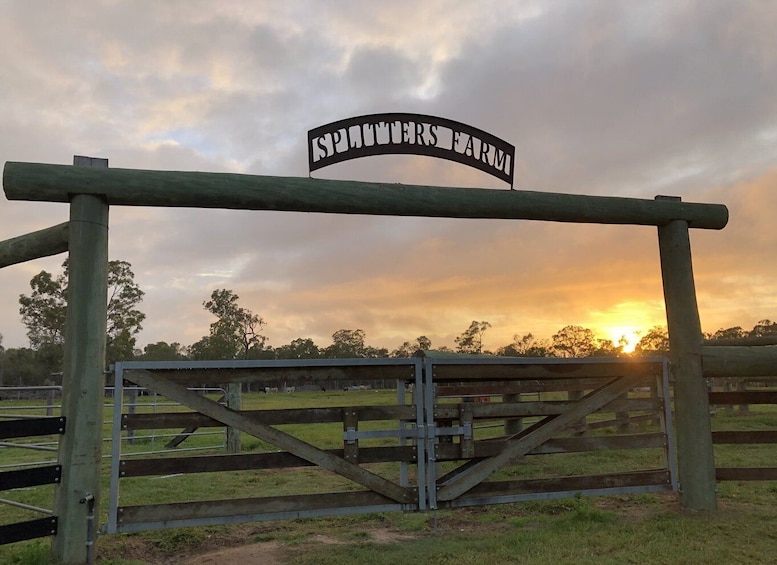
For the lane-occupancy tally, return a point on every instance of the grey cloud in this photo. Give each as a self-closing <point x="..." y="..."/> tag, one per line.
<point x="592" y="109"/>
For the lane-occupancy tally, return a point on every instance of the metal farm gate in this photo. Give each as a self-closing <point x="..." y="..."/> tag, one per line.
<point x="464" y="430"/>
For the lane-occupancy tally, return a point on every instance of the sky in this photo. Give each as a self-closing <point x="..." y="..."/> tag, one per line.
<point x="613" y="98"/>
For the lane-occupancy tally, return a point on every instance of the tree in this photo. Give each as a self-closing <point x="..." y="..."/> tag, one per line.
<point x="404" y="350"/>
<point x="526" y="346"/>
<point x="298" y="349"/>
<point x="735" y="332"/>
<point x="763" y="328"/>
<point x="163" y="351"/>
<point x="471" y="340"/>
<point x="347" y="343"/>
<point x="124" y="319"/>
<point x="22" y="367"/>
<point x="375" y="352"/>
<point x="45" y="310"/>
<point x="656" y="340"/>
<point x="234" y="334"/>
<point x="423" y="342"/>
<point x="574" y="341"/>
<point x="606" y="347"/>
<point x="408" y="349"/>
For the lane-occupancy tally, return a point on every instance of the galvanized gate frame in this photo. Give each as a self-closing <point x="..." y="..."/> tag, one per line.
<point x="392" y="496"/>
<point x="433" y="489"/>
<point x="458" y="488"/>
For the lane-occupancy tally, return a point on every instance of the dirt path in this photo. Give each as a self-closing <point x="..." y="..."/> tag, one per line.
<point x="272" y="552"/>
<point x="266" y="553"/>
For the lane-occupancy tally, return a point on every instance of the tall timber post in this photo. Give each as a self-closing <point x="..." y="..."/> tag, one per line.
<point x="696" y="466"/>
<point x="83" y="377"/>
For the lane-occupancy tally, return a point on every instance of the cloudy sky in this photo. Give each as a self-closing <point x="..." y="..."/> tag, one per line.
<point x="605" y="98"/>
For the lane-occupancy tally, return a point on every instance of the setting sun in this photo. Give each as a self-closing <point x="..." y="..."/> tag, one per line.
<point x="628" y="335"/>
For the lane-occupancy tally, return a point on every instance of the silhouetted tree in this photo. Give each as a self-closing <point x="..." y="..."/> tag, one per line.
<point x="526" y="346"/>
<point x="764" y="327"/>
<point x="574" y="341"/>
<point x="347" y="344"/>
<point x="163" y="351"/>
<point x="408" y="349"/>
<point x="298" y="349"/>
<point x="656" y="340"/>
<point x="471" y="340"/>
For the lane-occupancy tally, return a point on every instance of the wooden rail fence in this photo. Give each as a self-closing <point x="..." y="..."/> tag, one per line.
<point x="45" y="475"/>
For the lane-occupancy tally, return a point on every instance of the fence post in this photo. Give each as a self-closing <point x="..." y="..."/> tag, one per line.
<point x="83" y="378"/>
<point x="574" y="396"/>
<point x="696" y="465"/>
<point x="50" y="402"/>
<point x="233" y="402"/>
<point x="513" y="425"/>
<point x="623" y="416"/>
<point x="132" y="404"/>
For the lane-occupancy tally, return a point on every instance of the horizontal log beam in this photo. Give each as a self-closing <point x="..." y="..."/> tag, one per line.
<point x="731" y="361"/>
<point x="34" y="245"/>
<point x="129" y="187"/>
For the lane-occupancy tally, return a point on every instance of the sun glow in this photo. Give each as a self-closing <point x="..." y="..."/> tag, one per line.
<point x="627" y="335"/>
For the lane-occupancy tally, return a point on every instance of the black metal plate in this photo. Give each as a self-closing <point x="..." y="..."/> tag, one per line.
<point x="30" y="477"/>
<point x="21" y="531"/>
<point x="32" y="427"/>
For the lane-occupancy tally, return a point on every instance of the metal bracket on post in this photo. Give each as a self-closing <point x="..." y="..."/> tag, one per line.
<point x="89" y="500"/>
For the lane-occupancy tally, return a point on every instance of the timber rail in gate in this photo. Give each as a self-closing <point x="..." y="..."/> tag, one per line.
<point x="444" y="443"/>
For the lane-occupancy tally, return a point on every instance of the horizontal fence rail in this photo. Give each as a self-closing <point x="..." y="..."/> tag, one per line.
<point x="753" y="398"/>
<point x="37" y="476"/>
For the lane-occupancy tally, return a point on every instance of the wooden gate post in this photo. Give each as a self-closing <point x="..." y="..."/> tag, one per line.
<point x="696" y="465"/>
<point x="83" y="379"/>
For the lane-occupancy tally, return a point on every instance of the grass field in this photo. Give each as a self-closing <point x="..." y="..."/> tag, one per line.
<point x="640" y="528"/>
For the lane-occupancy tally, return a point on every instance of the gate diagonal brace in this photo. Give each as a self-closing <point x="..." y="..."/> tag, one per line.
<point x="269" y="434"/>
<point x="533" y="437"/>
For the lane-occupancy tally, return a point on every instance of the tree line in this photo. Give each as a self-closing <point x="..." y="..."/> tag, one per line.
<point x="236" y="333"/>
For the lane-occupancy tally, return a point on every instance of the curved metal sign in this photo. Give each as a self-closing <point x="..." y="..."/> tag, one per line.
<point x="410" y="134"/>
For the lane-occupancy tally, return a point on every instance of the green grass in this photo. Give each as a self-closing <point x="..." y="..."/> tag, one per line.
<point x="640" y="528"/>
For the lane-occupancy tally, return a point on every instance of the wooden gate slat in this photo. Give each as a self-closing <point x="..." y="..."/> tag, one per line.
<point x="534" y="436"/>
<point x="267" y="433"/>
